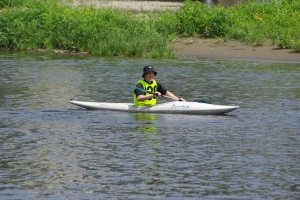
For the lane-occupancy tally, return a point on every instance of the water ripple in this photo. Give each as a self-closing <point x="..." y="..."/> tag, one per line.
<point x="51" y="149"/>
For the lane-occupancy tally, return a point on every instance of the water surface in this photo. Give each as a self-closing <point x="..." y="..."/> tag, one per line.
<point x="52" y="149"/>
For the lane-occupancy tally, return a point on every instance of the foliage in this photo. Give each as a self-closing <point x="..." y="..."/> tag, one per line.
<point x="36" y="24"/>
<point x="11" y="3"/>
<point x="192" y="18"/>
<point x="254" y="23"/>
<point x="105" y="32"/>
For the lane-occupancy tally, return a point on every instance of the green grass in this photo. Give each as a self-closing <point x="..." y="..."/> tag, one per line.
<point x="11" y="3"/>
<point x="277" y="21"/>
<point x="104" y="32"/>
<point x="50" y="25"/>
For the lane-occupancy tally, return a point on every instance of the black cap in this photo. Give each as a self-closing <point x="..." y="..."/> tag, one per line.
<point x="148" y="69"/>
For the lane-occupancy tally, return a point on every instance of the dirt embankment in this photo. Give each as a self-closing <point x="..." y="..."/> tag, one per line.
<point x="216" y="48"/>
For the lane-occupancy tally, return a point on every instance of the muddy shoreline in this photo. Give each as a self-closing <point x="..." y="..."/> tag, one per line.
<point x="216" y="48"/>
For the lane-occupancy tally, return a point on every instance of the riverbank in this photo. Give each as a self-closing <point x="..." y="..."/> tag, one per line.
<point x="198" y="47"/>
<point x="74" y="28"/>
<point x="216" y="48"/>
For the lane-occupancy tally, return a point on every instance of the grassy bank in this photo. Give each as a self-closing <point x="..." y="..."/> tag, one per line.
<point x="255" y="23"/>
<point x="34" y="24"/>
<point x="105" y="32"/>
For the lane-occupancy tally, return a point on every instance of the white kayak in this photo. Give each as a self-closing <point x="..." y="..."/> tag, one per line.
<point x="174" y="107"/>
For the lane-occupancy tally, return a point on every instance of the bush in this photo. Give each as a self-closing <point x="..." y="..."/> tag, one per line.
<point x="254" y="23"/>
<point x="11" y="3"/>
<point x="104" y="32"/>
<point x="109" y="32"/>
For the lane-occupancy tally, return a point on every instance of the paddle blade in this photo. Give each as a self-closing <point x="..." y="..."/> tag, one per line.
<point x="140" y="89"/>
<point x="132" y="87"/>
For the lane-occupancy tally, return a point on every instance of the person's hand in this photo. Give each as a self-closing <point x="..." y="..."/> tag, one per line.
<point x="157" y="94"/>
<point x="181" y="99"/>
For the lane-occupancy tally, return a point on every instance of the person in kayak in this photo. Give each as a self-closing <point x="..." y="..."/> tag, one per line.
<point x="149" y="84"/>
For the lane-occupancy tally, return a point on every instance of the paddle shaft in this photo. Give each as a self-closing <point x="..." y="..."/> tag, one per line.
<point x="140" y="89"/>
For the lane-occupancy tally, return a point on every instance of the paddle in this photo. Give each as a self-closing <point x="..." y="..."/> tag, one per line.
<point x="140" y="89"/>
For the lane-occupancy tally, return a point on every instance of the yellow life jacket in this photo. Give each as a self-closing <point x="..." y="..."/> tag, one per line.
<point x="151" y="87"/>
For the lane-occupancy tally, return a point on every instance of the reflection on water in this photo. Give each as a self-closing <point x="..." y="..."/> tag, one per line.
<point x="52" y="149"/>
<point x="147" y="126"/>
<point x="148" y="121"/>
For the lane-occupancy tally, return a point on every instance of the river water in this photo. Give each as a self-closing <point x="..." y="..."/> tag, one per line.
<point x="54" y="150"/>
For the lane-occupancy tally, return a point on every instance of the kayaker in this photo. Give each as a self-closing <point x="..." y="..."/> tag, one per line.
<point x="149" y="84"/>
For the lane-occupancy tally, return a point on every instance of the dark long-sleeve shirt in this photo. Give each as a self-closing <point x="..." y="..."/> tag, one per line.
<point x="160" y="89"/>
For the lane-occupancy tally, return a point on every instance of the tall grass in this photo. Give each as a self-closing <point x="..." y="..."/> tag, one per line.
<point x="255" y="23"/>
<point x="11" y="3"/>
<point x="35" y="24"/>
<point x="104" y="32"/>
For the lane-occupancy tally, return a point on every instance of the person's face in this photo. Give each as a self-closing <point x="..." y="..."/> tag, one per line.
<point x="149" y="76"/>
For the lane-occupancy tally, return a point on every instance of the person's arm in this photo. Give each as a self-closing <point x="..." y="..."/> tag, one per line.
<point x="167" y="93"/>
<point x="170" y="94"/>
<point x="146" y="97"/>
<point x="140" y="95"/>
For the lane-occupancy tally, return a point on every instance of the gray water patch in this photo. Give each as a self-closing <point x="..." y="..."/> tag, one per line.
<point x="52" y="149"/>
